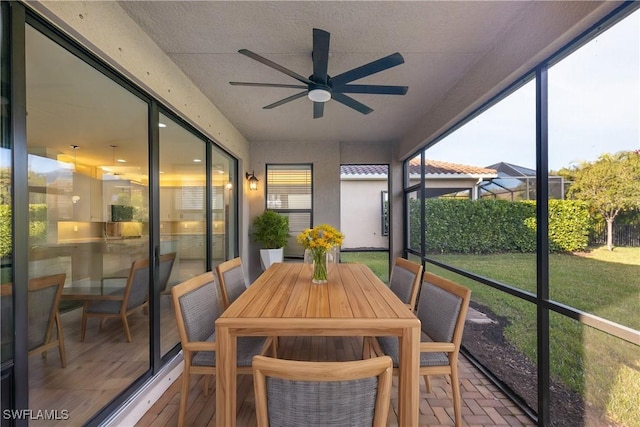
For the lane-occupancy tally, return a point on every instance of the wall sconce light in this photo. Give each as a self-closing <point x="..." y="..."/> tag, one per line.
<point x="253" y="181"/>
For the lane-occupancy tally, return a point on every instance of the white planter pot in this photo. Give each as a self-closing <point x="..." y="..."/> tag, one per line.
<point x="269" y="256"/>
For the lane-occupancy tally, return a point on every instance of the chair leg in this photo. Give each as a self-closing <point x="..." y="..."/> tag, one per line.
<point x="205" y="388"/>
<point x="83" y="328"/>
<point x="102" y="322"/>
<point x="427" y="383"/>
<point x="126" y="327"/>
<point x="457" y="398"/>
<point x="63" y="354"/>
<point x="366" y="348"/>
<point x="184" y="396"/>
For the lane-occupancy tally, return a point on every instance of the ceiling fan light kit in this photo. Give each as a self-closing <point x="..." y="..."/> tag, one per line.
<point x="320" y="87"/>
<point x="319" y="95"/>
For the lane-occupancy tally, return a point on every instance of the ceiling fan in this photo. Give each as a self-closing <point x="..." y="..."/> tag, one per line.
<point x="320" y="87"/>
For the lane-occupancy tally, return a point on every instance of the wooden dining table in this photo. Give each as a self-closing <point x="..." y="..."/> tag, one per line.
<point x="284" y="302"/>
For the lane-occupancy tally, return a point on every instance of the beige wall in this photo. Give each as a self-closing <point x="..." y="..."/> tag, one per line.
<point x="325" y="158"/>
<point x="361" y="213"/>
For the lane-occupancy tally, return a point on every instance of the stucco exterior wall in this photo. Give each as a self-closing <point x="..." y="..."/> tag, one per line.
<point x="361" y="213"/>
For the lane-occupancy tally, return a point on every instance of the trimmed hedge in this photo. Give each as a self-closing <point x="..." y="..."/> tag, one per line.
<point x="494" y="226"/>
<point x="37" y="226"/>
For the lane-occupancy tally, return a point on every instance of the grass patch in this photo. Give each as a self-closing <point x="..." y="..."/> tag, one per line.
<point x="378" y="262"/>
<point x="600" y="282"/>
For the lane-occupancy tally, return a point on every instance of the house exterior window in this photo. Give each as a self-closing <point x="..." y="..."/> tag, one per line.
<point x="289" y="191"/>
<point x="384" y="209"/>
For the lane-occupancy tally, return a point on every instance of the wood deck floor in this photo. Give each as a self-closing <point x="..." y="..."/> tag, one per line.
<point x="483" y="404"/>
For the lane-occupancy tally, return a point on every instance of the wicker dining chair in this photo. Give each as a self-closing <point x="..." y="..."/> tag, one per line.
<point x="442" y="310"/>
<point x="197" y="305"/>
<point x="404" y="282"/>
<point x="292" y="393"/>
<point x="43" y="295"/>
<point x="232" y="280"/>
<point x="120" y="303"/>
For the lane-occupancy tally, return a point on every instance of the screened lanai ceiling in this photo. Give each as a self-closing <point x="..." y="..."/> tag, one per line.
<point x="449" y="48"/>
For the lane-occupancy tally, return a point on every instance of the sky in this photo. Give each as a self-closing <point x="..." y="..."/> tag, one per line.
<point x="594" y="108"/>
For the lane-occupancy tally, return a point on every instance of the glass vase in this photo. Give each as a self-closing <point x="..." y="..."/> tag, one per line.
<point x="321" y="262"/>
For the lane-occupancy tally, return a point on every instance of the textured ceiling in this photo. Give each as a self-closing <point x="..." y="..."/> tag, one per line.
<point x="440" y="41"/>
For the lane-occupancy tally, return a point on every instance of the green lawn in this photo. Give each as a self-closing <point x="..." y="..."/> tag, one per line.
<point x="378" y="262"/>
<point x="605" y="370"/>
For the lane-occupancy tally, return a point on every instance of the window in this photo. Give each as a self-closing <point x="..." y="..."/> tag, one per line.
<point x="290" y="192"/>
<point x="384" y="208"/>
<point x="88" y="183"/>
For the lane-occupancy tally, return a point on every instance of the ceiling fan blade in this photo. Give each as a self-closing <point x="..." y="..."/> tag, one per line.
<point x="320" y="55"/>
<point x="368" y="69"/>
<point x="267" y="85"/>
<point x="318" y="109"/>
<point x="350" y="102"/>
<point x="376" y="89"/>
<point x="275" y="66"/>
<point x="284" y="101"/>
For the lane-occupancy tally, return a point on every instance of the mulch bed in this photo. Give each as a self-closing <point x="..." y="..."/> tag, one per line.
<point x="488" y="344"/>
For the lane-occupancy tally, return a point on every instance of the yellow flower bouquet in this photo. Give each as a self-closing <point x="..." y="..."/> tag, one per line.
<point x="319" y="240"/>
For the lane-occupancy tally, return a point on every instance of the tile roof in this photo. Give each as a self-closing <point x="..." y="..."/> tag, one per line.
<point x="434" y="167"/>
<point x="364" y="170"/>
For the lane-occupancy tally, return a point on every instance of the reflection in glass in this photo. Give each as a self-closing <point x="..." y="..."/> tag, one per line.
<point x="88" y="219"/>
<point x="224" y="204"/>
<point x="6" y="233"/>
<point x="182" y="215"/>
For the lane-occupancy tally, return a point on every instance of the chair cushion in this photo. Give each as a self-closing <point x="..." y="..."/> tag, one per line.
<point x="106" y="307"/>
<point x="438" y="312"/>
<point x="401" y="283"/>
<point x="247" y="348"/>
<point x="200" y="310"/>
<point x="317" y="403"/>
<point x="389" y="346"/>
<point x="234" y="283"/>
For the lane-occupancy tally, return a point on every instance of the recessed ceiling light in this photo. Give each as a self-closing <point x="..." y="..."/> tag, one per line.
<point x="197" y="160"/>
<point x="121" y="161"/>
<point x="162" y="125"/>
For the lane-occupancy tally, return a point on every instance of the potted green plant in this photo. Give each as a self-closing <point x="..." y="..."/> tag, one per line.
<point x="271" y="230"/>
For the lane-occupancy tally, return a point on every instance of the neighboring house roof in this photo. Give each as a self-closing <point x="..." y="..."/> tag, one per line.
<point x="378" y="170"/>
<point x="433" y="167"/>
<point x="511" y="170"/>
<point x="437" y="167"/>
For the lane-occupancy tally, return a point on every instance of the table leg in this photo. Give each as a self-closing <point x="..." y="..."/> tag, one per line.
<point x="225" y="377"/>
<point x="409" y="377"/>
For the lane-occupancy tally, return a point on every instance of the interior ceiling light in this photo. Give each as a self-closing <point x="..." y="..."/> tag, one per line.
<point x="162" y="125"/>
<point x="75" y="153"/>
<point x="197" y="160"/>
<point x="112" y="169"/>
